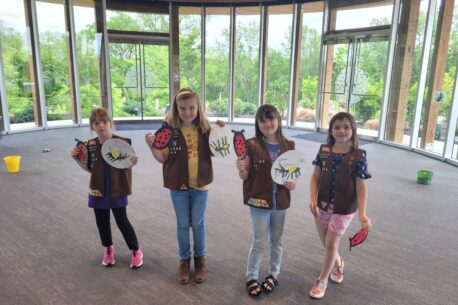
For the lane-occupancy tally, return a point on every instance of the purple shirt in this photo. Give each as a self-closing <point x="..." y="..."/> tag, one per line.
<point x="107" y="202"/>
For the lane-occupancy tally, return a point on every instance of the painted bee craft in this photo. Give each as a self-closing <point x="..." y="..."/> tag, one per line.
<point x="358" y="238"/>
<point x="220" y="143"/>
<point x="239" y="143"/>
<point x="287" y="166"/>
<point x="164" y="136"/>
<point x="117" y="153"/>
<point x="83" y="155"/>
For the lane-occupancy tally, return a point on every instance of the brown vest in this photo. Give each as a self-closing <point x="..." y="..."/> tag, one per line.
<point x="257" y="189"/>
<point x="175" y="168"/>
<point x="121" y="179"/>
<point x="345" y="193"/>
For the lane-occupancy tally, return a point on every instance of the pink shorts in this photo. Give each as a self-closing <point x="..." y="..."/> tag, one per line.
<point x="334" y="222"/>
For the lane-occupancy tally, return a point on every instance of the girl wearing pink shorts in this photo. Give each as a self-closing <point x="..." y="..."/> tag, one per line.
<point x="337" y="190"/>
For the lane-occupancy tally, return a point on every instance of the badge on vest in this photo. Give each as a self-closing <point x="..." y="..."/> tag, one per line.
<point x="260" y="203"/>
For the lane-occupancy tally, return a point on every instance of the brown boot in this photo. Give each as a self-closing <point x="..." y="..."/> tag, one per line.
<point x="183" y="270"/>
<point x="201" y="269"/>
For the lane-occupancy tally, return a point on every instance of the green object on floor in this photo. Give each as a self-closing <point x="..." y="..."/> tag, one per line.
<point x="424" y="176"/>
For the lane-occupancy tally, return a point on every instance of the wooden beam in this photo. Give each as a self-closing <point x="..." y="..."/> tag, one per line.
<point x="402" y="71"/>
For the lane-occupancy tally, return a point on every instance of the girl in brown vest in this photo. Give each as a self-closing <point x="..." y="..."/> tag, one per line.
<point x="109" y="188"/>
<point x="187" y="172"/>
<point x="268" y="201"/>
<point x="337" y="190"/>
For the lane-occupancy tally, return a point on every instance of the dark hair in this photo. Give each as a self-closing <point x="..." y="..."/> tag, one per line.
<point x="100" y="114"/>
<point x="339" y="117"/>
<point x="269" y="112"/>
<point x="173" y="118"/>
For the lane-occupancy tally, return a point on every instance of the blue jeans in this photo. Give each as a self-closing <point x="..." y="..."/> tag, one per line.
<point x="189" y="208"/>
<point x="267" y="224"/>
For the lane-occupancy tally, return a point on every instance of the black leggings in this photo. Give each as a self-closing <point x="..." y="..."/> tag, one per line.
<point x="102" y="218"/>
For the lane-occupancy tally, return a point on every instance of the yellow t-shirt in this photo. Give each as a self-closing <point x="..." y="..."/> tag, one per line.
<point x="190" y="135"/>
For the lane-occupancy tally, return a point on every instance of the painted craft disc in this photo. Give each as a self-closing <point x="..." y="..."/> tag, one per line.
<point x="221" y="141"/>
<point x="288" y="166"/>
<point x="164" y="136"/>
<point x="358" y="238"/>
<point x="82" y="152"/>
<point x="239" y="143"/>
<point x="117" y="153"/>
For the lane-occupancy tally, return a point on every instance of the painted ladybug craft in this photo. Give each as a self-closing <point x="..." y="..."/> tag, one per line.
<point x="83" y="155"/>
<point x="164" y="136"/>
<point x="358" y="238"/>
<point x="239" y="143"/>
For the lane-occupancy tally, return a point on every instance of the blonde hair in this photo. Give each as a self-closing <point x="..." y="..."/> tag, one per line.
<point x="100" y="114"/>
<point x="173" y="118"/>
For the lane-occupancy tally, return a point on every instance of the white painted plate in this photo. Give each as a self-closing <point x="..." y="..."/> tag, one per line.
<point x="221" y="139"/>
<point x="117" y="153"/>
<point x="288" y="166"/>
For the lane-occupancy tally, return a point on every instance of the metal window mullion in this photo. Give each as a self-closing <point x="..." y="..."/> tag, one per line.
<point x="3" y="97"/>
<point x="203" y="44"/>
<point x="423" y="71"/>
<point x="262" y="55"/>
<point x="231" y="91"/>
<point x="294" y="60"/>
<point x="74" y="61"/>
<point x="37" y="56"/>
<point x="322" y="66"/>
<point x="452" y="119"/>
<point x="389" y="69"/>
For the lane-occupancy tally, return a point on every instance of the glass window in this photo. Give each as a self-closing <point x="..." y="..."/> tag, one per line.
<point x="190" y="48"/>
<point x="363" y="15"/>
<point x="55" y="61"/>
<point x="309" y="69"/>
<point x="139" y="22"/>
<point x="17" y="66"/>
<point x="217" y="62"/>
<point x="86" y="51"/>
<point x="246" y="63"/>
<point x="279" y="57"/>
<point x="436" y="110"/>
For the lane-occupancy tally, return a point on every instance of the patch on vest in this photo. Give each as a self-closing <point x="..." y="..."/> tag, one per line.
<point x="95" y="193"/>
<point x="258" y="203"/>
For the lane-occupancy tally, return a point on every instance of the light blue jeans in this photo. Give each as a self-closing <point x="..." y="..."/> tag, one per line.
<point x="267" y="225"/>
<point x="189" y="208"/>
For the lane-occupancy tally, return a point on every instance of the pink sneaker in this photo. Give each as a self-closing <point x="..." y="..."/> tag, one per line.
<point x="318" y="289"/>
<point x="137" y="259"/>
<point x="108" y="256"/>
<point x="337" y="273"/>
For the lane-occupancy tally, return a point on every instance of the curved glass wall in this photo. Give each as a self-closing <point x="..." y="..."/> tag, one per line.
<point x="20" y="91"/>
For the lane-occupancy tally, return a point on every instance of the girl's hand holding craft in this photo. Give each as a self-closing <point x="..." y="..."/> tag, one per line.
<point x="290" y="185"/>
<point x="134" y="160"/>
<point x="149" y="139"/>
<point x="220" y="123"/>
<point x="366" y="222"/>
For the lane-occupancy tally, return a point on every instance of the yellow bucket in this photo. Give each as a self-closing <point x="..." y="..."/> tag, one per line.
<point x="12" y="163"/>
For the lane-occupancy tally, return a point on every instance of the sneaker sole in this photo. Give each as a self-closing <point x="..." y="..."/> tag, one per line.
<point x="316" y="296"/>
<point x="108" y="265"/>
<point x="136" y="267"/>
<point x="336" y="281"/>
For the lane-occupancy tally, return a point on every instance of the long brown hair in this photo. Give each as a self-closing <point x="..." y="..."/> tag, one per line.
<point x="269" y="112"/>
<point x="173" y="118"/>
<point x="339" y="117"/>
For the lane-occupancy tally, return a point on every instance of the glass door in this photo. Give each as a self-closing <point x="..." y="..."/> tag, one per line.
<point x="355" y="74"/>
<point x="139" y="80"/>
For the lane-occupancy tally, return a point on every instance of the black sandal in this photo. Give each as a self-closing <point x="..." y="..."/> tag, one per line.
<point x="269" y="284"/>
<point x="253" y="286"/>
